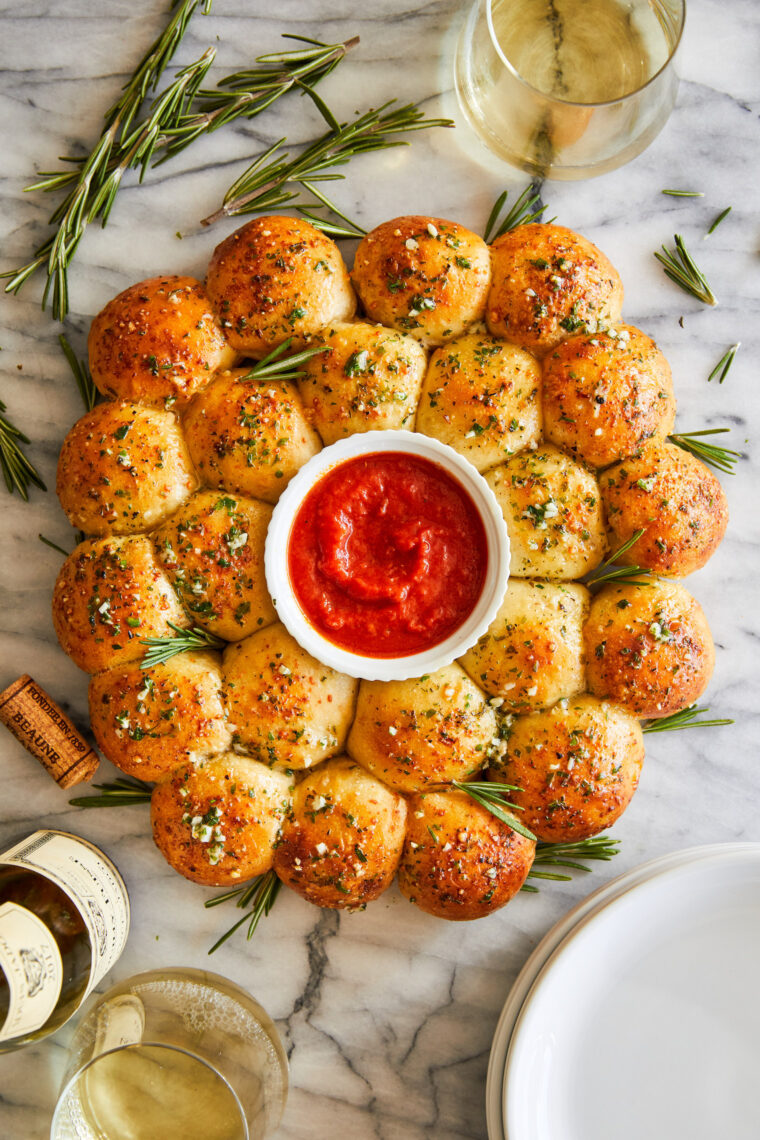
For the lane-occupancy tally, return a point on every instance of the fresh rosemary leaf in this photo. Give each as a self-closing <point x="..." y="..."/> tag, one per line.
<point x="683" y="193"/>
<point x="116" y="794"/>
<point x="686" y="718"/>
<point x="721" y="217"/>
<point x="18" y="472"/>
<point x="278" y="366"/>
<point x="525" y="210"/>
<point x="681" y="268"/>
<point x="53" y="545"/>
<point x="493" y="797"/>
<point x="160" y="649"/>
<point x="81" y="372"/>
<point x="721" y="369"/>
<point x="722" y="458"/>
<point x="261" y="893"/>
<point x="610" y="571"/>
<point x="265" y="184"/>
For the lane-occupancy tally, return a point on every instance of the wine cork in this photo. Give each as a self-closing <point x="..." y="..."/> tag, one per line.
<point x="44" y="730"/>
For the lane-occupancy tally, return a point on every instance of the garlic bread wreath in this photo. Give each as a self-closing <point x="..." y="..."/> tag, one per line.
<point x="515" y="356"/>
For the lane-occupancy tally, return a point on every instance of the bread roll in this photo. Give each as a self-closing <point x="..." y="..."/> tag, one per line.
<point x="459" y="861"/>
<point x="217" y="823"/>
<point x="575" y="767"/>
<point x="249" y="436"/>
<point x="342" y="840"/>
<point x="276" y="279"/>
<point x="213" y="550"/>
<point x="532" y="653"/>
<point x="158" y="342"/>
<point x="123" y="468"/>
<point x="482" y="397"/>
<point x="675" y="499"/>
<point x="424" y="276"/>
<point x="423" y="732"/>
<point x="148" y="721"/>
<point x="553" y="511"/>
<point x="369" y="380"/>
<point x="648" y="648"/>
<point x="286" y="708"/>
<point x="111" y="594"/>
<point x="605" y="394"/>
<point x="548" y="283"/>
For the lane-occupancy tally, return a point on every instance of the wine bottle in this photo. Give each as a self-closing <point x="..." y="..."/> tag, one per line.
<point x="64" y="920"/>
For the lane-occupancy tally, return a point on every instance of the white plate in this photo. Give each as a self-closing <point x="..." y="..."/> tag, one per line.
<point x="645" y="1021"/>
<point x="498" y="1057"/>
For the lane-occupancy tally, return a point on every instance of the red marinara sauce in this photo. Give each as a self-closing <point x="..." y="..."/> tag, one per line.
<point x="387" y="555"/>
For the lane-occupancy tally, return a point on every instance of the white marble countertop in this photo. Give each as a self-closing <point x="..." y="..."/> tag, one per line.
<point x="387" y="1015"/>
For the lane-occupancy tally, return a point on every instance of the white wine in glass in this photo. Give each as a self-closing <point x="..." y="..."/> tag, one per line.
<point x="569" y="88"/>
<point x="175" y="1055"/>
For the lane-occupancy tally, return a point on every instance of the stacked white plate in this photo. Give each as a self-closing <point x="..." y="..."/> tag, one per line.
<point x="638" y="1015"/>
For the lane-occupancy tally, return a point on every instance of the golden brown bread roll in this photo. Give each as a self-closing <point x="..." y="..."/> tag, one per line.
<point x="424" y="276"/>
<point x="459" y="861"/>
<point x="123" y="468"/>
<point x="217" y="823"/>
<point x="213" y="550"/>
<point x="553" y="511"/>
<point x="342" y="840"/>
<point x="111" y="594"/>
<point x="369" y="380"/>
<point x="423" y="732"/>
<point x="277" y="278"/>
<point x="286" y="708"/>
<point x="648" y="648"/>
<point x="675" y="499"/>
<point x="249" y="436"/>
<point x="575" y="766"/>
<point x="157" y="342"/>
<point x="548" y="283"/>
<point x="482" y="397"/>
<point x="148" y="721"/>
<point x="532" y="653"/>
<point x="605" y="394"/>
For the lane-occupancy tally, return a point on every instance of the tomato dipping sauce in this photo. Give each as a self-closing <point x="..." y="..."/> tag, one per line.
<point x="387" y="555"/>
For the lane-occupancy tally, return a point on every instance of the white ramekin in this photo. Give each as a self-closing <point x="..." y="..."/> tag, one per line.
<point x="414" y="664"/>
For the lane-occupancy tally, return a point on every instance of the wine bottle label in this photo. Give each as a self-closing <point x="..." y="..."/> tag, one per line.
<point x="31" y="962"/>
<point x="92" y="883"/>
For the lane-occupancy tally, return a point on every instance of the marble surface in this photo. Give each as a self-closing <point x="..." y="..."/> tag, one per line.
<point x="387" y="1015"/>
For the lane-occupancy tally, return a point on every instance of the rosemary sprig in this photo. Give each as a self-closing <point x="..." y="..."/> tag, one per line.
<point x="267" y="182"/>
<point x="686" y="718"/>
<point x="721" y="217"/>
<point x="118" y="793"/>
<point x="175" y="119"/>
<point x="260" y="896"/>
<point x="246" y="94"/>
<point x="160" y="649"/>
<point x="522" y="213"/>
<point x="278" y="366"/>
<point x="53" y="545"/>
<point x="18" y="472"/>
<point x="76" y="211"/>
<point x="493" y="797"/>
<point x="600" y="847"/>
<point x="721" y="369"/>
<point x="610" y="571"/>
<point x="683" y="193"/>
<point x="81" y="373"/>
<point x="681" y="268"/>
<point x="722" y="458"/>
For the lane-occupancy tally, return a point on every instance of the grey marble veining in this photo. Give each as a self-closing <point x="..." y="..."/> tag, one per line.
<point x="387" y="1016"/>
